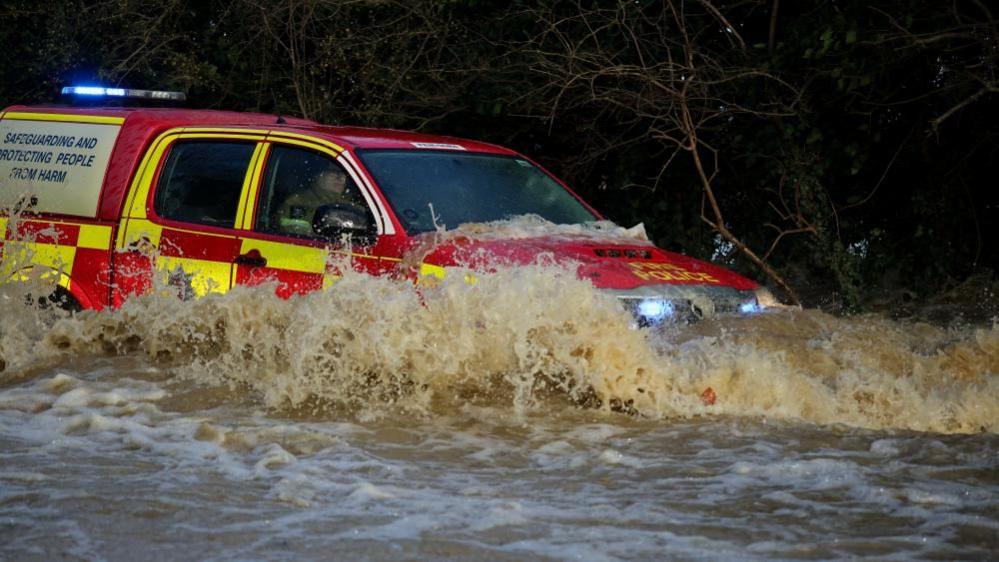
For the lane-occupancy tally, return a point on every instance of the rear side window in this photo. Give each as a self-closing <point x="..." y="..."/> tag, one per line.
<point x="201" y="182"/>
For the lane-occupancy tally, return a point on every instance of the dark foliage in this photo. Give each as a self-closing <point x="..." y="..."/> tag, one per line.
<point x="850" y="147"/>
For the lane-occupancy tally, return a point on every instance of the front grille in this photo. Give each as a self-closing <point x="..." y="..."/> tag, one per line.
<point x="682" y="303"/>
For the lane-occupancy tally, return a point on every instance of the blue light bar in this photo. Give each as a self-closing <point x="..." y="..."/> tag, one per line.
<point x="100" y="91"/>
<point x="750" y="307"/>
<point x="84" y="91"/>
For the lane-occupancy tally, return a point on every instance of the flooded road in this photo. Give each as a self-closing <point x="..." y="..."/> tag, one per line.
<point x="520" y="418"/>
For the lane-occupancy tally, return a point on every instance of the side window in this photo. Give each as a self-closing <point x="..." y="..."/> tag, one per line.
<point x="298" y="183"/>
<point x="201" y="182"/>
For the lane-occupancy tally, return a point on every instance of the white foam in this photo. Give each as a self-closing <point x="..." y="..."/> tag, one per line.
<point x="367" y="491"/>
<point x="613" y="457"/>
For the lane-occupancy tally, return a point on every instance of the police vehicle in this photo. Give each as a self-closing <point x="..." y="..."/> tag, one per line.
<point x="107" y="196"/>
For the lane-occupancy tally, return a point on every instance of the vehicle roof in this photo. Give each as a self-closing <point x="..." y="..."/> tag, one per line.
<point x="142" y="124"/>
<point x="354" y="137"/>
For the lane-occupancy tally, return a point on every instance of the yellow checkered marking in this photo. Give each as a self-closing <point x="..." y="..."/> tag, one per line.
<point x="431" y="274"/>
<point x="206" y="276"/>
<point x="291" y="257"/>
<point x="54" y="260"/>
<point x="94" y="237"/>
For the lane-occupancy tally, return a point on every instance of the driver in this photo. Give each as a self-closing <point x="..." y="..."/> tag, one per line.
<point x="296" y="212"/>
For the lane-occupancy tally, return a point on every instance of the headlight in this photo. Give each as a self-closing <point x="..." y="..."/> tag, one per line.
<point x="654" y="311"/>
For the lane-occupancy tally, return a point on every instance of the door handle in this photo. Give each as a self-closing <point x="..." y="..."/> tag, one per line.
<point x="251" y="259"/>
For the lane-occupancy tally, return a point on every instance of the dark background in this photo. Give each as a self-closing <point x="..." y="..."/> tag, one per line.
<point x="850" y="146"/>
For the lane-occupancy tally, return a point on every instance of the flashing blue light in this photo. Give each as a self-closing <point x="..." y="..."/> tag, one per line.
<point x="84" y="90"/>
<point x="100" y="91"/>
<point x="655" y="310"/>
<point x="749" y="307"/>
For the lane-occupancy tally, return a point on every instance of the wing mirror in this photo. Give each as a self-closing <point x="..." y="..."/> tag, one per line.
<point x="334" y="220"/>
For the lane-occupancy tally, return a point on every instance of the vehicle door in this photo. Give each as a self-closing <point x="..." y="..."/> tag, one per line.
<point x="181" y="215"/>
<point x="287" y="236"/>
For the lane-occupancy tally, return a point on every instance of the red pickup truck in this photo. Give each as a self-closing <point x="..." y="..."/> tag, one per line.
<point x="106" y="198"/>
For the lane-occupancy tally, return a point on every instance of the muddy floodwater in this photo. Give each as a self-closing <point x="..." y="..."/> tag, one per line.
<point x="524" y="417"/>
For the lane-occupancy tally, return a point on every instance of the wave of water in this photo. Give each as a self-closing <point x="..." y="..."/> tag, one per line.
<point x="116" y="459"/>
<point x="528" y="339"/>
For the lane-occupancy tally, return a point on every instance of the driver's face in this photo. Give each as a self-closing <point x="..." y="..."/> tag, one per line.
<point x="332" y="183"/>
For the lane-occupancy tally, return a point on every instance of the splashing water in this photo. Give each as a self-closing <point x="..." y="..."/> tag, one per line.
<point x="520" y="417"/>
<point x="529" y="337"/>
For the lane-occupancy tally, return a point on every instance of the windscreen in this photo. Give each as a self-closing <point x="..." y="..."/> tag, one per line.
<point x="464" y="187"/>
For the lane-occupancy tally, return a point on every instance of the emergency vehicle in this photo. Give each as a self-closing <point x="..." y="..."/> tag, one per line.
<point x="106" y="198"/>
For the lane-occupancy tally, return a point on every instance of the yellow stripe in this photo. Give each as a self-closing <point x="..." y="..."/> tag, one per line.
<point x="244" y="214"/>
<point x="136" y="230"/>
<point x="305" y="140"/>
<point x="65" y="117"/>
<point x="243" y="191"/>
<point x="3" y="227"/>
<point x="133" y="189"/>
<point x="95" y="237"/>
<point x="138" y="194"/>
<point x="260" y="132"/>
<point x="306" y="144"/>
<point x="255" y="187"/>
<point x="226" y="136"/>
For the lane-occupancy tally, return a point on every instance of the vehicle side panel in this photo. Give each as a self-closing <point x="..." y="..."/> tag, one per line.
<point x="192" y="259"/>
<point x="69" y="250"/>
<point x="73" y="254"/>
